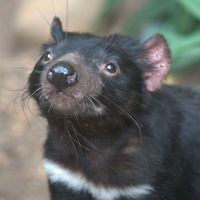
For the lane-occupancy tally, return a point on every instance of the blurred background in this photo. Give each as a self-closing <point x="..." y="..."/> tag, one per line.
<point x="24" y="26"/>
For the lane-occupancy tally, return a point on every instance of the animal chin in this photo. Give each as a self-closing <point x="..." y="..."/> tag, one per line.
<point x="61" y="103"/>
<point x="73" y="104"/>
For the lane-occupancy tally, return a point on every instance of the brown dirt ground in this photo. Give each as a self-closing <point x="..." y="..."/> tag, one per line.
<point x="22" y="134"/>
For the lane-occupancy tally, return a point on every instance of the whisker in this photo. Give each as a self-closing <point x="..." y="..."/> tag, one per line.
<point x="37" y="90"/>
<point x="100" y="104"/>
<point x="77" y="139"/>
<point x="53" y="7"/>
<point x="130" y="116"/>
<point x="31" y="56"/>
<point x="67" y="18"/>
<point x="71" y="140"/>
<point x="86" y="140"/>
<point x="27" y="119"/>
<point x="49" y="109"/>
<point x="42" y="15"/>
<point x="92" y="103"/>
<point x="23" y="99"/>
<point x="47" y="21"/>
<point x="24" y="68"/>
<point x="54" y="13"/>
<point x="38" y="71"/>
<point x="109" y="41"/>
<point x="12" y="90"/>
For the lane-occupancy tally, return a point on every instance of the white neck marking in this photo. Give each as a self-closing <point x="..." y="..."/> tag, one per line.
<point x="77" y="182"/>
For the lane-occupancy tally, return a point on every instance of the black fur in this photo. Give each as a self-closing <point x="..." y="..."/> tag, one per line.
<point x="143" y="137"/>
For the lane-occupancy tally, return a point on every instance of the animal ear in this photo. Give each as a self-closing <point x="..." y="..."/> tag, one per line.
<point x="56" y="30"/>
<point x="157" y="55"/>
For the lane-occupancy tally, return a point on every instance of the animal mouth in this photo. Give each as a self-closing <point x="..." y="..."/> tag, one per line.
<point x="59" y="94"/>
<point x="75" y="103"/>
<point x="62" y="101"/>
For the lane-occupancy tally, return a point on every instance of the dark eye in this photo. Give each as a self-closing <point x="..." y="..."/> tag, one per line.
<point x="111" y="68"/>
<point x="47" y="57"/>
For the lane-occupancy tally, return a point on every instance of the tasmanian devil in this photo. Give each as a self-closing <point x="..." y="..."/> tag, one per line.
<point x="114" y="131"/>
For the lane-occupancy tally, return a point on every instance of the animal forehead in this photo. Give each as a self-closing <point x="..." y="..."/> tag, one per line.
<point x="87" y="52"/>
<point x="95" y="43"/>
<point x="79" y="42"/>
<point x="90" y="47"/>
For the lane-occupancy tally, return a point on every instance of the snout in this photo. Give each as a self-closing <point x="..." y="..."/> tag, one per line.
<point x="62" y="75"/>
<point x="69" y="85"/>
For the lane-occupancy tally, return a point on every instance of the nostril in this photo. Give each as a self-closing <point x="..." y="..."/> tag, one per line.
<point x="50" y="75"/>
<point x="62" y="75"/>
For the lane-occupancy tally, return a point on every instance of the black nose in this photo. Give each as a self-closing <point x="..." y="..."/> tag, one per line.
<point x="62" y="75"/>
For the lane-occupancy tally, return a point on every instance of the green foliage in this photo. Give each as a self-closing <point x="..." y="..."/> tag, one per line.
<point x="177" y="20"/>
<point x="192" y="6"/>
<point x="108" y="7"/>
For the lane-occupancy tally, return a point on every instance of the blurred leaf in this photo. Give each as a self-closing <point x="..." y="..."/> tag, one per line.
<point x="186" y="59"/>
<point x="185" y="49"/>
<point x="146" y="13"/>
<point x="108" y="7"/>
<point x="192" y="6"/>
<point x="184" y="22"/>
<point x="181" y="43"/>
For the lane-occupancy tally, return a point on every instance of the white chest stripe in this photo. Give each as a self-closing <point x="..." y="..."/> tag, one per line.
<point x="77" y="182"/>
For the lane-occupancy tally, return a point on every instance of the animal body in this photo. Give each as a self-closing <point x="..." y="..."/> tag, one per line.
<point x="115" y="132"/>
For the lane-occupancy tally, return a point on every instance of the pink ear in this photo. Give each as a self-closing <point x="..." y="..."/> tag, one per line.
<point x="157" y="54"/>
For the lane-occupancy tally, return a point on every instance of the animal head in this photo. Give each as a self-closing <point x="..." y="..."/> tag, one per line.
<point x="83" y="74"/>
